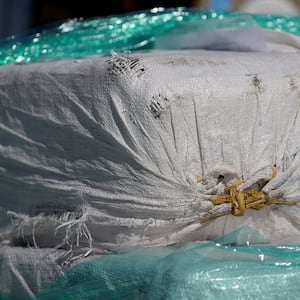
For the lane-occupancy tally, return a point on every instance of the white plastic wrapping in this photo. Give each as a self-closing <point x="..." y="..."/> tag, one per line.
<point x="104" y="153"/>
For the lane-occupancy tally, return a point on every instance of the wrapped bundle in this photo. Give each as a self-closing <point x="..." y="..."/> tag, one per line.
<point x="131" y="150"/>
<point x="145" y="149"/>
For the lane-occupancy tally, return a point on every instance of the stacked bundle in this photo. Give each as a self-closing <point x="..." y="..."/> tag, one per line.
<point x="145" y="149"/>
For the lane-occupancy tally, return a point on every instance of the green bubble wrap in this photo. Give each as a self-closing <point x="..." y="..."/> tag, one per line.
<point x="228" y="268"/>
<point x="239" y="265"/>
<point x="80" y="38"/>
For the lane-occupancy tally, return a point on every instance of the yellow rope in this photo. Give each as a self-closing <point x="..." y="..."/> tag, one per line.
<point x="199" y="179"/>
<point x="241" y="200"/>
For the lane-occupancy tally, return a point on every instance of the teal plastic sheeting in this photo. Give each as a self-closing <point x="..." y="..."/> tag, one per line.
<point x="240" y="265"/>
<point x="80" y="38"/>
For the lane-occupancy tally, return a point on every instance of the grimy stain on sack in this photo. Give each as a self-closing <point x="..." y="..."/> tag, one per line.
<point x="123" y="64"/>
<point x="190" y="61"/>
<point x="294" y="82"/>
<point x="158" y="104"/>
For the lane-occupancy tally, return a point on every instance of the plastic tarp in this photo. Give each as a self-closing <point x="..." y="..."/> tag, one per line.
<point x="136" y="31"/>
<point x="229" y="268"/>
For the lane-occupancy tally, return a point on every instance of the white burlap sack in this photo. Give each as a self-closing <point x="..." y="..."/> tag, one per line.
<point x="26" y="271"/>
<point x="105" y="152"/>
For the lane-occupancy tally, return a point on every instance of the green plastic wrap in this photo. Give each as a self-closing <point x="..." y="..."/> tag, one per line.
<point x="80" y="38"/>
<point x="240" y="265"/>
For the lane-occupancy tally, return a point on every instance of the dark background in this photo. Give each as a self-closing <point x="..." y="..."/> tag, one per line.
<point x="19" y="15"/>
<point x="47" y="11"/>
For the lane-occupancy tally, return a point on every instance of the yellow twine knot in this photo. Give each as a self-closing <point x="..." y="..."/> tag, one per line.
<point x="242" y="200"/>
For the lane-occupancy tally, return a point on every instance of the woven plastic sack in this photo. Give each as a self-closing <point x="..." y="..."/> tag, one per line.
<point x="228" y="268"/>
<point x="25" y="271"/>
<point x="105" y="153"/>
